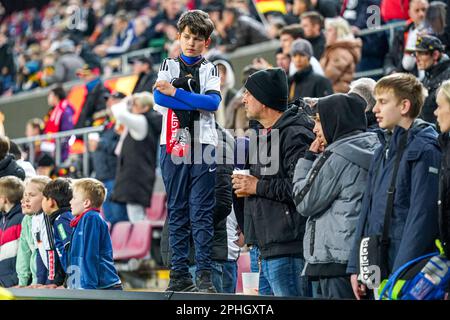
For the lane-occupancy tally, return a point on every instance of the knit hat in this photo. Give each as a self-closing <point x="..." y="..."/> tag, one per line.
<point x="303" y="47"/>
<point x="269" y="87"/>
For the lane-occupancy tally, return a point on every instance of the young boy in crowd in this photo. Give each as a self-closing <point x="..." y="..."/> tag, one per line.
<point x="90" y="258"/>
<point x="11" y="192"/>
<point x="56" y="206"/>
<point x="329" y="184"/>
<point x="408" y="190"/>
<point x="187" y="93"/>
<point x="26" y="265"/>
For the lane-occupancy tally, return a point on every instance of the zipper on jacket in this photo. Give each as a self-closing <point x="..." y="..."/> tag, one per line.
<point x="312" y="239"/>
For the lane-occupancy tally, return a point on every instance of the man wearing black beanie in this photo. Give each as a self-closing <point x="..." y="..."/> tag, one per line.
<point x="269" y="219"/>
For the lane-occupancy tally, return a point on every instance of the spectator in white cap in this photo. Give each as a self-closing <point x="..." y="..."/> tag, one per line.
<point x="304" y="82"/>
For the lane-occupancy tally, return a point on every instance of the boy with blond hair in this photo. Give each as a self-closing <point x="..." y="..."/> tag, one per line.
<point x="90" y="257"/>
<point x="11" y="192"/>
<point x="399" y="208"/>
<point x="27" y="256"/>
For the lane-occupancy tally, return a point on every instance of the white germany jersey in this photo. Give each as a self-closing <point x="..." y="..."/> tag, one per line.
<point x="209" y="82"/>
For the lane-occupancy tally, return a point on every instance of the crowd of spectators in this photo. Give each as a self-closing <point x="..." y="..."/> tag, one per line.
<point x="321" y="49"/>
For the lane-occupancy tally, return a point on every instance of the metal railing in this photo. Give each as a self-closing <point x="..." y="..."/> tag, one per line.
<point x="58" y="137"/>
<point x="127" y="57"/>
<point x="391" y="27"/>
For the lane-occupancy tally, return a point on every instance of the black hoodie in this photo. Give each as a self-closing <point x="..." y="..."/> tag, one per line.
<point x="341" y="114"/>
<point x="9" y="167"/>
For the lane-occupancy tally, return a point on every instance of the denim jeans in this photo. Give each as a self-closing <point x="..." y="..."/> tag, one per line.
<point x="264" y="286"/>
<point x="114" y="211"/>
<point x="216" y="274"/>
<point x="229" y="279"/>
<point x="284" y="276"/>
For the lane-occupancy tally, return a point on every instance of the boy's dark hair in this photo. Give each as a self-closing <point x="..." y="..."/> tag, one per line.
<point x="15" y="150"/>
<point x="294" y="30"/>
<point x="59" y="190"/>
<point x="59" y="92"/>
<point x="4" y="147"/>
<point x="12" y="188"/>
<point x="198" y="22"/>
<point x="314" y="17"/>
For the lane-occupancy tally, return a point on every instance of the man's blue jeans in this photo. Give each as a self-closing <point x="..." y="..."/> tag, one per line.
<point x="284" y="276"/>
<point x="229" y="279"/>
<point x="264" y="286"/>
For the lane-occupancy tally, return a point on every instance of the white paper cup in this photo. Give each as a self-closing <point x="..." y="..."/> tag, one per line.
<point x="245" y="172"/>
<point x="250" y="283"/>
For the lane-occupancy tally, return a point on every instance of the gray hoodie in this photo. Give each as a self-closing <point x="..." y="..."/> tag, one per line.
<point x="332" y="201"/>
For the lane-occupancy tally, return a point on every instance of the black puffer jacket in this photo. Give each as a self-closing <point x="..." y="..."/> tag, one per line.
<point x="444" y="193"/>
<point x="223" y="195"/>
<point x="270" y="215"/>
<point x="434" y="76"/>
<point x="9" y="167"/>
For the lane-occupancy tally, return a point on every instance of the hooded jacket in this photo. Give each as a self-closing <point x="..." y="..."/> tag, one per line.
<point x="414" y="226"/>
<point x="270" y="218"/>
<point x="332" y="199"/>
<point x="9" y="167"/>
<point x="10" y="228"/>
<point x="434" y="76"/>
<point x="339" y="63"/>
<point x="444" y="193"/>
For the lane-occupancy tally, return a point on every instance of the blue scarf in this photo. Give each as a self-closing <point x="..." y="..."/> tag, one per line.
<point x="190" y="60"/>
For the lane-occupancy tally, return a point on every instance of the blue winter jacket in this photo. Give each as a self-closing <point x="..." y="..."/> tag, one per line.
<point x="414" y="222"/>
<point x="90" y="264"/>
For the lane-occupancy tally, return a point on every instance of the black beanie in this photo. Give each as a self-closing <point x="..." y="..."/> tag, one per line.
<point x="269" y="87"/>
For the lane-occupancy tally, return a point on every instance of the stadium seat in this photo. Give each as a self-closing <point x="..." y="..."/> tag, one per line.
<point x="243" y="266"/>
<point x="139" y="242"/>
<point x="158" y="211"/>
<point x="119" y="237"/>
